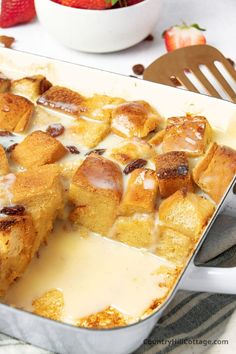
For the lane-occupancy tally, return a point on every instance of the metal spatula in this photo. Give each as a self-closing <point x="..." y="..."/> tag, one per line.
<point x="184" y="67"/>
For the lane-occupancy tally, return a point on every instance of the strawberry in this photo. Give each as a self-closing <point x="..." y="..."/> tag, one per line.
<point x="183" y="36"/>
<point x="88" y="4"/>
<point x="133" y="2"/>
<point x="16" y="11"/>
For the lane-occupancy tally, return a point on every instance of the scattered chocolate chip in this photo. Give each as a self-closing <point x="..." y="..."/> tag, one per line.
<point x="149" y="38"/>
<point x="138" y="69"/>
<point x="5" y="133"/>
<point x="134" y="165"/>
<point x="7" y="41"/>
<point x="96" y="151"/>
<point x="175" y="81"/>
<point x="13" y="210"/>
<point x="11" y="148"/>
<point x="73" y="149"/>
<point x="231" y="62"/>
<point x="55" y="130"/>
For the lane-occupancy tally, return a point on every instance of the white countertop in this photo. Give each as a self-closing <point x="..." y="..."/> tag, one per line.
<point x="217" y="16"/>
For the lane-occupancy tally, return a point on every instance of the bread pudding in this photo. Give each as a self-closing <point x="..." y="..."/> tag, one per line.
<point x="103" y="201"/>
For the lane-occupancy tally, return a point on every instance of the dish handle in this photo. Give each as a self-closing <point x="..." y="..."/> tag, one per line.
<point x="209" y="279"/>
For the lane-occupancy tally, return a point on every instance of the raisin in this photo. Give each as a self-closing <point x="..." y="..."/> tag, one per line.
<point x="13" y="210"/>
<point x="134" y="165"/>
<point x="55" y="130"/>
<point x="73" y="149"/>
<point x="5" y="133"/>
<point x="149" y="38"/>
<point x="96" y="151"/>
<point x="138" y="69"/>
<point x="11" y="148"/>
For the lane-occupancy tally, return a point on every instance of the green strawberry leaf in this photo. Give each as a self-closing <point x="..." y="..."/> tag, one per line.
<point x="195" y="25"/>
<point x="113" y="2"/>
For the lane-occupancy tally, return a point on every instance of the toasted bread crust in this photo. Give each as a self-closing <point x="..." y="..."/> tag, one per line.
<point x="64" y="100"/>
<point x="15" y="112"/>
<point x="31" y="87"/>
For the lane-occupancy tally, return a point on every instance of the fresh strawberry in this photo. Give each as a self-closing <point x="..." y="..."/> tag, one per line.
<point x="88" y="4"/>
<point x="133" y="2"/>
<point x="16" y="11"/>
<point x="183" y="36"/>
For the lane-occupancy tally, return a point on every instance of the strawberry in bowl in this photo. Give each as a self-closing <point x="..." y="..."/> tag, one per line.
<point x="15" y="12"/>
<point x="99" y="26"/>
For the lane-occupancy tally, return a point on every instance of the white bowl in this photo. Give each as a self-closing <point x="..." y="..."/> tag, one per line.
<point x="99" y="31"/>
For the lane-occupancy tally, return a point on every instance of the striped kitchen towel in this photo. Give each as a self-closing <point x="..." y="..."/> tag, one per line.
<point x="192" y="318"/>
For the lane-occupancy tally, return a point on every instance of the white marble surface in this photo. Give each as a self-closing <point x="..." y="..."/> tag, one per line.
<point x="217" y="16"/>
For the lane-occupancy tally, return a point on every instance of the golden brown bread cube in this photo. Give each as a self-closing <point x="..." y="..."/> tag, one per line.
<point x="88" y="133"/>
<point x="157" y="138"/>
<point x="130" y="150"/>
<point x="30" y="87"/>
<point x="96" y="190"/>
<point x="40" y="191"/>
<point x="190" y="134"/>
<point x="173" y="245"/>
<point x="17" y="237"/>
<point x="215" y="171"/>
<point x="15" y="112"/>
<point x="186" y="212"/>
<point x="100" y="107"/>
<point x="5" y="83"/>
<point x="64" y="100"/>
<point x="108" y="318"/>
<point x="37" y="149"/>
<point x="4" y="166"/>
<point x="50" y="305"/>
<point x="173" y="173"/>
<point x="136" y="230"/>
<point x="141" y="192"/>
<point x="134" y="119"/>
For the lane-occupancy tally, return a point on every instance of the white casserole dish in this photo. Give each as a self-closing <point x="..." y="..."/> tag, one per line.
<point x="63" y="338"/>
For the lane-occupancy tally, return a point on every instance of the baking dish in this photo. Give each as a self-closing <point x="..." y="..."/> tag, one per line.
<point x="64" y="338"/>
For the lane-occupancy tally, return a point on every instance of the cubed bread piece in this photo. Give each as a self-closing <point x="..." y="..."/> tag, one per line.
<point x="190" y="134"/>
<point x="15" y="112"/>
<point x="89" y="133"/>
<point x="50" y="305"/>
<point x="17" y="236"/>
<point x="141" y="192"/>
<point x="131" y="150"/>
<point x="136" y="230"/>
<point x="40" y="191"/>
<point x="173" y="245"/>
<point x="157" y="138"/>
<point x="135" y="118"/>
<point x="37" y="149"/>
<point x="96" y="190"/>
<point x="215" y="171"/>
<point x="64" y="100"/>
<point x="108" y="318"/>
<point x="186" y="212"/>
<point x="5" y="83"/>
<point x="30" y="87"/>
<point x="100" y="107"/>
<point x="4" y="166"/>
<point x="173" y="173"/>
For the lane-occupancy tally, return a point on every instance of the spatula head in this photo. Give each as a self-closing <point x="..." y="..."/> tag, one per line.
<point x="173" y="69"/>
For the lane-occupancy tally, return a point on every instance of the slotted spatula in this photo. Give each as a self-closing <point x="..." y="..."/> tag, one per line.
<point x="174" y="69"/>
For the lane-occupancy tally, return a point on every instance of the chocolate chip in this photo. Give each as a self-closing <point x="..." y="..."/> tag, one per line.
<point x="96" y="151"/>
<point x="5" y="133"/>
<point x="11" y="148"/>
<point x="134" y="165"/>
<point x="231" y="62"/>
<point x="13" y="210"/>
<point x="138" y="69"/>
<point x="175" y="81"/>
<point x="149" y="38"/>
<point x="73" y="149"/>
<point x="55" y="130"/>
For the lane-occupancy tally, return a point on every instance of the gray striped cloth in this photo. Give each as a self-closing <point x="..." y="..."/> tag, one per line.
<point x="190" y="316"/>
